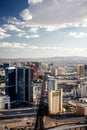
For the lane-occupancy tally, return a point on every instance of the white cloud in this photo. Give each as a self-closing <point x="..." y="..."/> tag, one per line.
<point x="25" y="14"/>
<point x="55" y="14"/>
<point x="55" y="11"/>
<point x="5" y="44"/>
<point x="77" y="35"/>
<point x="13" y="20"/>
<point x="34" y="1"/>
<point x="40" y="51"/>
<point x="34" y="27"/>
<point x="3" y="34"/>
<point x="11" y="27"/>
<point x="51" y="28"/>
<point x="22" y="34"/>
<point x="34" y="30"/>
<point x="32" y="36"/>
<point x="2" y="30"/>
<point x="44" y="47"/>
<point x="12" y="45"/>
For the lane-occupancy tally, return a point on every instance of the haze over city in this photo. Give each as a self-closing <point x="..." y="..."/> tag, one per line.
<point x="43" y="28"/>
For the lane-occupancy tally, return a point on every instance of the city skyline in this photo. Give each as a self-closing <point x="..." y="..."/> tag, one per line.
<point x="43" y="28"/>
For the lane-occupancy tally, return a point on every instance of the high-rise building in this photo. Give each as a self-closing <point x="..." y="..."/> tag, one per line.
<point x="19" y="83"/>
<point x="81" y="90"/>
<point x="81" y="72"/>
<point x="55" y="101"/>
<point x="35" y="71"/>
<point x="5" y="65"/>
<point x="52" y="84"/>
<point x="85" y="69"/>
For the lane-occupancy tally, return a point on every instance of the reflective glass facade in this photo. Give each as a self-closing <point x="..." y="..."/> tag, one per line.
<point x="10" y="88"/>
<point x="19" y="84"/>
<point x="52" y="84"/>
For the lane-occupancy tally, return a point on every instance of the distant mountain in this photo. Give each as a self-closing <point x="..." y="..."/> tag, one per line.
<point x="55" y="60"/>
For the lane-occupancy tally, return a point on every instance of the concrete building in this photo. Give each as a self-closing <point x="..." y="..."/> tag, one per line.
<point x="55" y="101"/>
<point x="54" y="71"/>
<point x="61" y="71"/>
<point x="4" y="102"/>
<point x="19" y="84"/>
<point x="81" y="109"/>
<point x="81" y="71"/>
<point x="36" y="92"/>
<point x="57" y="71"/>
<point x="83" y="86"/>
<point x="81" y="90"/>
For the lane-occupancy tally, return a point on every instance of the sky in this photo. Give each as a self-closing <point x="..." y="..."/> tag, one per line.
<point x="43" y="28"/>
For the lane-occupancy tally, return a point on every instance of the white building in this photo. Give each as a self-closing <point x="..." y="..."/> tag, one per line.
<point x="81" y="91"/>
<point x="36" y="92"/>
<point x="4" y="102"/>
<point x="84" y="89"/>
<point x="55" y="101"/>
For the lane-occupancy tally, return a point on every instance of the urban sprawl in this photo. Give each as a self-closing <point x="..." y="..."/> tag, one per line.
<point x="36" y="96"/>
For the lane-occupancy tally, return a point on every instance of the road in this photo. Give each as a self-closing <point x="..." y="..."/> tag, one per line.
<point x="18" y="117"/>
<point x="18" y="113"/>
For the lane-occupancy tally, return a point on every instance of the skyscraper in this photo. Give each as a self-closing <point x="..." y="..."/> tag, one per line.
<point x="81" y="72"/>
<point x="55" y="101"/>
<point x="52" y="84"/>
<point x="19" y="83"/>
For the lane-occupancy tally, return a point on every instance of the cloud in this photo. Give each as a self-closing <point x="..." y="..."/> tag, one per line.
<point x="24" y="45"/>
<point x="77" y="35"/>
<point x="49" y="12"/>
<point x="34" y="27"/>
<point x="5" y="44"/>
<point x="51" y="28"/>
<point x="11" y="28"/>
<point x="34" y="1"/>
<point x="39" y="51"/>
<point x="3" y="34"/>
<point x="34" y="30"/>
<point x="25" y="14"/>
<point x="13" y="20"/>
<point x="22" y="34"/>
<point x="12" y="45"/>
<point x="32" y="36"/>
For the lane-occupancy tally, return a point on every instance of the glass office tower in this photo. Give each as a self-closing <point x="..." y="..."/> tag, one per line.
<point x="19" y="83"/>
<point x="52" y="84"/>
<point x="10" y="88"/>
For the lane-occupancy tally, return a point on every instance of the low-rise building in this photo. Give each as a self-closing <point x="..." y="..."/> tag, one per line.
<point x="81" y="109"/>
<point x="81" y="90"/>
<point x="4" y="102"/>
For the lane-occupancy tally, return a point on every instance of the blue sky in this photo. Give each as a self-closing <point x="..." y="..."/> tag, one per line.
<point x="43" y="28"/>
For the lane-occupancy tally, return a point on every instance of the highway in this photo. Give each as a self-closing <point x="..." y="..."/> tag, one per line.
<point x="18" y="113"/>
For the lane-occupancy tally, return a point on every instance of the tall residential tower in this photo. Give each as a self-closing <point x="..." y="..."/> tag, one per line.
<point x="55" y="101"/>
